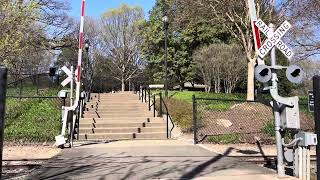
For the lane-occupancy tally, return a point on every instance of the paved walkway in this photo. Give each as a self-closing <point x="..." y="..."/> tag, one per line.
<point x="148" y="159"/>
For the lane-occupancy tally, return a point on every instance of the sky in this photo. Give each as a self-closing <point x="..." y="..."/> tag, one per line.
<point x="96" y="8"/>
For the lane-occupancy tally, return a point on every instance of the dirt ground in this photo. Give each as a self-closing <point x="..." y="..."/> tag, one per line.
<point x="29" y="152"/>
<point x="19" y="160"/>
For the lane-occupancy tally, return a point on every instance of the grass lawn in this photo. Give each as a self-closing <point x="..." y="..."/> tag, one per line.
<point x="187" y="95"/>
<point x="33" y="120"/>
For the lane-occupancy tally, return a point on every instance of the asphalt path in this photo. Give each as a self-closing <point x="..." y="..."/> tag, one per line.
<point x="144" y="160"/>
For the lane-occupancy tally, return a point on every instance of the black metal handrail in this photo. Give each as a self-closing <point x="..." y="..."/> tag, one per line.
<point x="145" y="92"/>
<point x="79" y="114"/>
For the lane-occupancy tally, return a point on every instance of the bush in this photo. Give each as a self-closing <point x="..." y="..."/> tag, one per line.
<point x="181" y="113"/>
<point x="225" y="139"/>
<point x="268" y="128"/>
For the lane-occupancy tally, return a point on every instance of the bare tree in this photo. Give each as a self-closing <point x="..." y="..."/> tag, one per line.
<point x="205" y="66"/>
<point x="234" y="16"/>
<point x="217" y="64"/>
<point x="233" y="66"/>
<point x="121" y="42"/>
<point x="305" y="18"/>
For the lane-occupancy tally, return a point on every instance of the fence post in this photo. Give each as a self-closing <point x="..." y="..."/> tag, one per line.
<point x="20" y="89"/>
<point x="142" y="95"/>
<point x="149" y="101"/>
<point x="3" y="91"/>
<point x="154" y="106"/>
<point x="139" y="91"/>
<point x="194" y="117"/>
<point x="37" y="84"/>
<point x="145" y="95"/>
<point x="316" y="93"/>
<point x="160" y="106"/>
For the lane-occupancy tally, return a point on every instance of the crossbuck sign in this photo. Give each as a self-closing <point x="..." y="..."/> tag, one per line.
<point x="274" y="39"/>
<point x="69" y="74"/>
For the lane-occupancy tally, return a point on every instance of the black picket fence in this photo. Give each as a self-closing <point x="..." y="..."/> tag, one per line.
<point x="22" y="85"/>
<point x="229" y="121"/>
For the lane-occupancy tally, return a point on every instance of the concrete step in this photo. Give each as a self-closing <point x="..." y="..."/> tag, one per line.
<point x="123" y="130"/>
<point x="121" y="120"/>
<point x="106" y="136"/>
<point x="132" y="113"/>
<point x="115" y="116"/>
<point x="122" y="136"/>
<point x="119" y="106"/>
<point x="113" y="121"/>
<point x="109" y="130"/>
<point x="116" y="106"/>
<point x="156" y="135"/>
<point x="119" y="116"/>
<point x="109" y="125"/>
<point x="154" y="129"/>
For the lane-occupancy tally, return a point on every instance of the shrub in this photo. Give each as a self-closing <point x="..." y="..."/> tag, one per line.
<point x="268" y="128"/>
<point x="181" y="113"/>
<point x="225" y="139"/>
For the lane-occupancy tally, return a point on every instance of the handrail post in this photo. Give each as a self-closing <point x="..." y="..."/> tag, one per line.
<point x="316" y="92"/>
<point x="154" y="106"/>
<point x="145" y="95"/>
<point x="149" y="101"/>
<point x="142" y="95"/>
<point x="160" y="111"/>
<point x="194" y="117"/>
<point x="167" y="124"/>
<point x="3" y="90"/>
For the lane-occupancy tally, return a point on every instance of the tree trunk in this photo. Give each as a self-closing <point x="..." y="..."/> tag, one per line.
<point x="123" y="86"/>
<point x="181" y="85"/>
<point x="250" y="81"/>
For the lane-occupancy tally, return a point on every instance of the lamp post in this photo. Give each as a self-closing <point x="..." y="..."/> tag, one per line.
<point x="87" y="46"/>
<point x="165" y="20"/>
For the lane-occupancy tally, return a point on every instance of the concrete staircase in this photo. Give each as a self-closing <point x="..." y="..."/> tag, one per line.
<point x="120" y="116"/>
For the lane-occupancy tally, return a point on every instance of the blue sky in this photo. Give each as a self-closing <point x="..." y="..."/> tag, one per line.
<point x="96" y="8"/>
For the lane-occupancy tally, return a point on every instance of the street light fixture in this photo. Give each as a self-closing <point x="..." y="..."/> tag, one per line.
<point x="165" y="21"/>
<point x="87" y="46"/>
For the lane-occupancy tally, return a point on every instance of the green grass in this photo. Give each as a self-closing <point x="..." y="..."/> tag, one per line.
<point x="33" y="120"/>
<point x="269" y="128"/>
<point x="225" y="139"/>
<point x="187" y="95"/>
<point x="32" y="91"/>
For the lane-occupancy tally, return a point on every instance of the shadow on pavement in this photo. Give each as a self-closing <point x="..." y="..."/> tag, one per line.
<point x="133" y="163"/>
<point x="204" y="165"/>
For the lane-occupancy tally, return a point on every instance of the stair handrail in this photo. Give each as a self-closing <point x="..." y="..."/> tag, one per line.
<point x="145" y="92"/>
<point x="168" y="116"/>
<point x="79" y="111"/>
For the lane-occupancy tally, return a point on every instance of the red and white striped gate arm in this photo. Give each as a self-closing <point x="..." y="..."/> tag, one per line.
<point x="255" y="29"/>
<point x="78" y="82"/>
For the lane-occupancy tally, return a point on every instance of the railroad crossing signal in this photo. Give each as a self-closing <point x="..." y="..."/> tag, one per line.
<point x="274" y="39"/>
<point x="69" y="74"/>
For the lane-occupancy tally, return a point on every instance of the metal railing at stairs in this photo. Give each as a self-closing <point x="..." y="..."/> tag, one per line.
<point x="74" y="118"/>
<point x="146" y="96"/>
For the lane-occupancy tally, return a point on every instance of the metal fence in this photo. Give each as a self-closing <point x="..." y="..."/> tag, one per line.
<point x="33" y="109"/>
<point x="32" y="84"/>
<point x="225" y="121"/>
